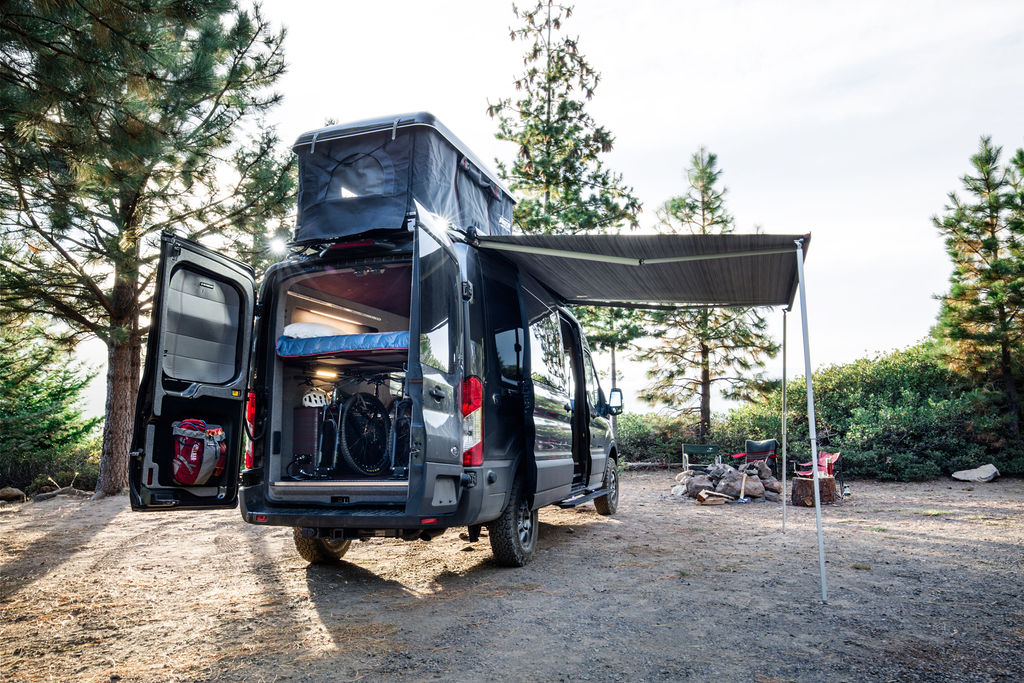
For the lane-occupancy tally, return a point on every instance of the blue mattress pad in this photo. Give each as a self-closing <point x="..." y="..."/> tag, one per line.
<point x="311" y="347"/>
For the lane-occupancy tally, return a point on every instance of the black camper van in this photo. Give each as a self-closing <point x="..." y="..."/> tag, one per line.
<point x="390" y="379"/>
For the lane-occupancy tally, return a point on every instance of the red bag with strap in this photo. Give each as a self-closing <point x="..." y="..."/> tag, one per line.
<point x="199" y="452"/>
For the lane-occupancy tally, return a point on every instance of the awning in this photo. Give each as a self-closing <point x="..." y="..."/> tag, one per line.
<point x="631" y="270"/>
<point x="679" y="270"/>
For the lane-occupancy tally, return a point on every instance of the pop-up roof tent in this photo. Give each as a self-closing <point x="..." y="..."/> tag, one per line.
<point x="365" y="176"/>
<point x="372" y="175"/>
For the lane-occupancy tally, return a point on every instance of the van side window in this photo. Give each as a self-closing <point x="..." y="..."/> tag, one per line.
<point x="548" y="364"/>
<point x="504" y="318"/>
<point x="438" y="314"/>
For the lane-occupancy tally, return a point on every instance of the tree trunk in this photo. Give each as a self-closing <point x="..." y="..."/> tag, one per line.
<point x="803" y="491"/>
<point x="705" y="395"/>
<point x="123" y="363"/>
<point x="1010" y="387"/>
<point x="122" y="384"/>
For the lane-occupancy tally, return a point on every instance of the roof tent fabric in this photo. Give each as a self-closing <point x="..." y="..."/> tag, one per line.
<point x="365" y="176"/>
<point x="632" y="270"/>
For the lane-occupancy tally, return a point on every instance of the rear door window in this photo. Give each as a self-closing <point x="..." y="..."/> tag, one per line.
<point x="439" y="278"/>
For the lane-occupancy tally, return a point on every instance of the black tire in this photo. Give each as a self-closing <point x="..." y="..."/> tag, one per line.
<point x="364" y="434"/>
<point x="319" y="550"/>
<point x="514" y="535"/>
<point x="609" y="502"/>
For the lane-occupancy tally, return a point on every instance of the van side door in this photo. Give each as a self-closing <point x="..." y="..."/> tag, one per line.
<point x="600" y="427"/>
<point x="552" y="405"/>
<point x="187" y="439"/>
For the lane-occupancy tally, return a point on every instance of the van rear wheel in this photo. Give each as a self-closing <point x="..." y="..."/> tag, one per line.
<point x="319" y="550"/>
<point x="514" y="535"/>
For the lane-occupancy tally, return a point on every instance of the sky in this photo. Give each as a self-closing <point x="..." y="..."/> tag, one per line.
<point x="851" y="121"/>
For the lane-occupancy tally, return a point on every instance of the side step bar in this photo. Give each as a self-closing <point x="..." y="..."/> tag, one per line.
<point x="582" y="498"/>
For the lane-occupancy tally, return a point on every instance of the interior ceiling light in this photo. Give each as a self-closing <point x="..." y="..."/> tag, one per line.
<point x="328" y="304"/>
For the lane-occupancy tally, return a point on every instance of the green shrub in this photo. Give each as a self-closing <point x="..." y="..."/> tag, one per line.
<point x="647" y="437"/>
<point x="42" y="428"/>
<point x="898" y="416"/>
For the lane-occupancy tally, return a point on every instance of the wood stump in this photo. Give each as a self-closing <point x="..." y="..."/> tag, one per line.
<point x="803" y="491"/>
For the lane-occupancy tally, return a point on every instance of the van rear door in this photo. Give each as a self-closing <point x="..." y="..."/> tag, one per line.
<point x="189" y="415"/>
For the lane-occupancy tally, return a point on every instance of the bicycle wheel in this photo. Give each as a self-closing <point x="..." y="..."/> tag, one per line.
<point x="364" y="434"/>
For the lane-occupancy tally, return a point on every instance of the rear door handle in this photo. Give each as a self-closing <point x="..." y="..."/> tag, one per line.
<point x="437" y="393"/>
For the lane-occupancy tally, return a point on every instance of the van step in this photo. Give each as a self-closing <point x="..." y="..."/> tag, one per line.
<point x="583" y="498"/>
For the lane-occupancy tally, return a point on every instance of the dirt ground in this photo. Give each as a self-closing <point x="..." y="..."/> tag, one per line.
<point x="924" y="584"/>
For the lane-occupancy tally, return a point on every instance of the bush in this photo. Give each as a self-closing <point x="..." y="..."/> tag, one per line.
<point x="898" y="416"/>
<point x="647" y="437"/>
<point x="42" y="428"/>
<point x="62" y="468"/>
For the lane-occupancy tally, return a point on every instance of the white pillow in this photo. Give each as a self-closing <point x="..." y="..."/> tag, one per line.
<point x="308" y="330"/>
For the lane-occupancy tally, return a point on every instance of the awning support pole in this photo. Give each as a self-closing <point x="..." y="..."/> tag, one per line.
<point x="809" y="383"/>
<point x="785" y="416"/>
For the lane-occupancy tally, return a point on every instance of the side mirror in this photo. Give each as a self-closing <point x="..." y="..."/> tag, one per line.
<point x="615" y="401"/>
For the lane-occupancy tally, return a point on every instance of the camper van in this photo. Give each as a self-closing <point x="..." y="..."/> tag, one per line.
<point x="390" y="378"/>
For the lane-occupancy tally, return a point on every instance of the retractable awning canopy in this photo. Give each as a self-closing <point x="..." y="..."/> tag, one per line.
<point x="633" y="270"/>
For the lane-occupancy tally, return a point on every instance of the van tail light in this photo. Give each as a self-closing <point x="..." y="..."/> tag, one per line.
<point x="250" y="421"/>
<point x="472" y="422"/>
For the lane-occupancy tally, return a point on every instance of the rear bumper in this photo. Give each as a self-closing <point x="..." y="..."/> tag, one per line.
<point x="477" y="504"/>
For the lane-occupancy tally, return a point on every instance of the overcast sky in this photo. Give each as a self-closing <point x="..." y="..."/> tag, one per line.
<point x="848" y="120"/>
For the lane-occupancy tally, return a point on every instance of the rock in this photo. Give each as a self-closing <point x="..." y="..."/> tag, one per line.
<point x="697" y="484"/>
<point x="772" y="497"/>
<point x="981" y="474"/>
<point x="732" y="482"/>
<point x="678" y="490"/>
<point x="683" y="475"/>
<point x="729" y="484"/>
<point x="12" y="495"/>
<point x="772" y="484"/>
<point x="763" y="471"/>
<point x="755" y="489"/>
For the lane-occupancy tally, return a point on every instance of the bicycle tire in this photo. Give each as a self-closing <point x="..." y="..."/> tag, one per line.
<point x="364" y="434"/>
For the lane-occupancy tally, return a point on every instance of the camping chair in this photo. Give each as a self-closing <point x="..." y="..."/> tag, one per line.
<point x="699" y="449"/>
<point x="828" y="465"/>
<point x="760" y="450"/>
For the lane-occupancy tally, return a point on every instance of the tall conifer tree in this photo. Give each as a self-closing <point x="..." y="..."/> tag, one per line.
<point x="701" y="349"/>
<point x="558" y="175"/>
<point x="982" y="316"/>
<point x="120" y="120"/>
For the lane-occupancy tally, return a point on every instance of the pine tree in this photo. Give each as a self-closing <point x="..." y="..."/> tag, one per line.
<point x="123" y="119"/>
<point x="982" y="316"/>
<point x="704" y="348"/>
<point x="559" y="178"/>
<point x="558" y="175"/>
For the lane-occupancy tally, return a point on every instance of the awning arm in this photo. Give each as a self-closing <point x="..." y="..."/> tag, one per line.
<point x="621" y="260"/>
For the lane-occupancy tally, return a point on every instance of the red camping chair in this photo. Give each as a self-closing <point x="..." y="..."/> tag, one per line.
<point x="828" y="465"/>
<point x="760" y="450"/>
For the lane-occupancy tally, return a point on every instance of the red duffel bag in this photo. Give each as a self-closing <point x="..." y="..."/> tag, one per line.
<point x="199" y="452"/>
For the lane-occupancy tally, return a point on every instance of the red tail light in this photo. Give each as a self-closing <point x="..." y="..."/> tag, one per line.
<point x="472" y="422"/>
<point x="250" y="420"/>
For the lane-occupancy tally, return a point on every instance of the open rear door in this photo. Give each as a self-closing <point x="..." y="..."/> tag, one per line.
<point x="189" y="417"/>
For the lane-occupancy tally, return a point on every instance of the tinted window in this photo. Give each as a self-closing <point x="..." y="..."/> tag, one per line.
<point x="503" y="315"/>
<point x="438" y="313"/>
<point x="593" y="388"/>
<point x="546" y="359"/>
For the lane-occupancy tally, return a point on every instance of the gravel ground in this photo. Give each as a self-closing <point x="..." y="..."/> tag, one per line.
<point x="924" y="585"/>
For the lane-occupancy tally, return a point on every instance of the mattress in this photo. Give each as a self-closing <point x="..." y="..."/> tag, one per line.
<point x="351" y="344"/>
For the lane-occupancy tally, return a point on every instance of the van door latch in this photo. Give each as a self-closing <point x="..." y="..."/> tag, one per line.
<point x="467" y="291"/>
